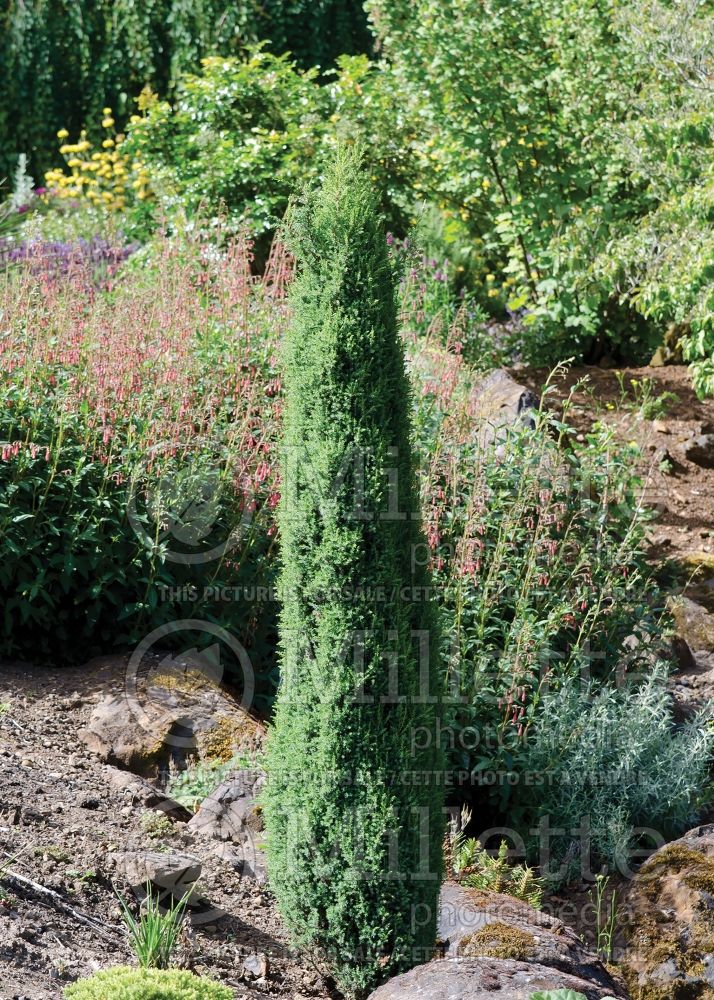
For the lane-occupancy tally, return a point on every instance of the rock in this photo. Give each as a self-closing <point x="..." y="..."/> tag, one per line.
<point x="700" y="450"/>
<point x="670" y="352"/>
<point x="475" y="924"/>
<point x="230" y="812"/>
<point x="256" y="965"/>
<point x="682" y="654"/>
<point x="693" y="623"/>
<point x="231" y="815"/>
<point x="668" y="916"/>
<point x="142" y="792"/>
<point x="483" y="979"/>
<point x="88" y="802"/>
<point x="166" y="717"/>
<point x="173" y="872"/>
<point x="498" y="402"/>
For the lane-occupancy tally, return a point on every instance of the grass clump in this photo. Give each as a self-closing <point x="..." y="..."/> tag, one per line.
<point x="154" y="933"/>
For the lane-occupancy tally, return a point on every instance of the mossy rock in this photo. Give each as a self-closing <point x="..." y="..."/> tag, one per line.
<point x="669" y="922"/>
<point x="226" y="739"/>
<point x="498" y="940"/>
<point x="124" y="983"/>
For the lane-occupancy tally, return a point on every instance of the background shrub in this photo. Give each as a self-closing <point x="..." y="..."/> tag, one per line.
<point x="354" y="846"/>
<point x="124" y="983"/>
<point x="60" y="65"/>
<point x="241" y="135"/>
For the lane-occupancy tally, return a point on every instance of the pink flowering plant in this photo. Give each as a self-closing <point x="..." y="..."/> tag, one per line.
<point x="537" y="548"/>
<point x="136" y="431"/>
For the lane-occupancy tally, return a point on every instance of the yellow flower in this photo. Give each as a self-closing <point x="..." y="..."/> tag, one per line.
<point x="62" y="134"/>
<point x="492" y="293"/>
<point x="107" y="112"/>
<point x="485" y="183"/>
<point x="108" y="143"/>
<point x="107" y="122"/>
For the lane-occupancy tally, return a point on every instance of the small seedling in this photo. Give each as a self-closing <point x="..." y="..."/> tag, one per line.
<point x="477" y="869"/>
<point x="643" y="397"/>
<point x="156" y="825"/>
<point x="605" y="917"/>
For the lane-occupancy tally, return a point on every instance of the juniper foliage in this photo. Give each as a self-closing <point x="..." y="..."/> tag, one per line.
<point x="354" y="840"/>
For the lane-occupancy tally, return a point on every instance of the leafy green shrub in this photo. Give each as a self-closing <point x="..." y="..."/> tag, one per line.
<point x="515" y="142"/>
<point x="123" y="983"/>
<point x="245" y="132"/>
<point x="661" y="257"/>
<point x="612" y="756"/>
<point x="354" y="845"/>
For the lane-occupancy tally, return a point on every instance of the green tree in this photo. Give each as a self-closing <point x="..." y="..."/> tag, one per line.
<point x="354" y="799"/>
<point x="517" y="103"/>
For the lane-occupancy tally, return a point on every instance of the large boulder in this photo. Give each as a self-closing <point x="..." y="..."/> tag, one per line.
<point x="475" y="924"/>
<point x="168" y="713"/>
<point x="496" y="944"/>
<point x="483" y="979"/>
<point x="669" y="922"/>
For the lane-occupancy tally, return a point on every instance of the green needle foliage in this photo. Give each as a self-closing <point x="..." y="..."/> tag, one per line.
<point x="353" y="810"/>
<point x="123" y="983"/>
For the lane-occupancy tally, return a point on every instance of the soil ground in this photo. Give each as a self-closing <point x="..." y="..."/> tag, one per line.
<point x="61" y="823"/>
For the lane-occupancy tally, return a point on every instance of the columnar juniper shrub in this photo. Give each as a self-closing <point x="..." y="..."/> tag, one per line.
<point x="354" y="843"/>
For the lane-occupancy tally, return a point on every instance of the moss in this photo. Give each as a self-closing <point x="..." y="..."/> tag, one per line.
<point x="498" y="940"/>
<point x="676" y="857"/>
<point x="702" y="880"/>
<point x="222" y="741"/>
<point x="187" y="681"/>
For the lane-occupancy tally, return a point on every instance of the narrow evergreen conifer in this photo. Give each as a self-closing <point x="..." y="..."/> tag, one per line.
<point x="355" y="793"/>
